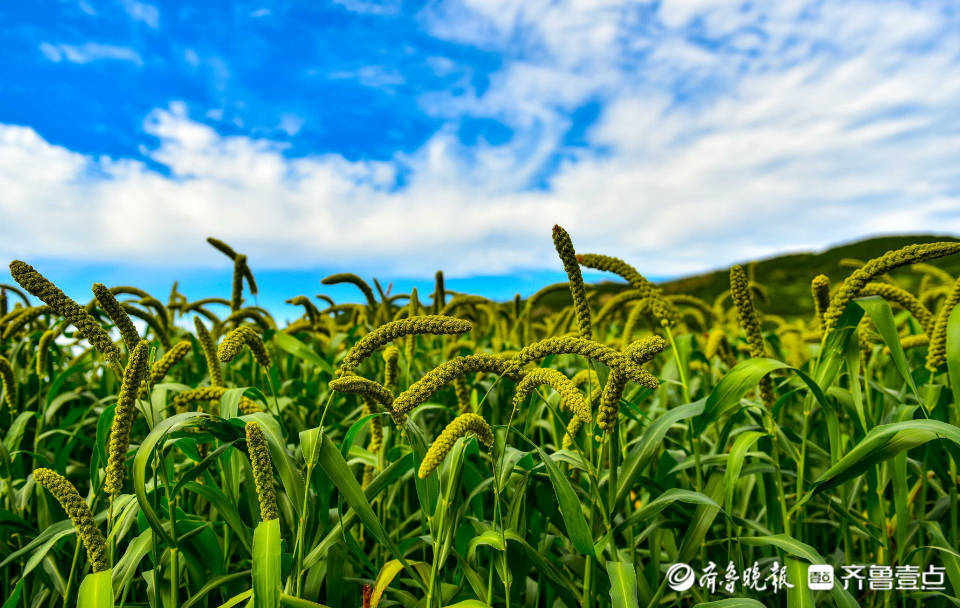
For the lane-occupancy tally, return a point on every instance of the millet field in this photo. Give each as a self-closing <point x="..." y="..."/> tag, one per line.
<point x="580" y="447"/>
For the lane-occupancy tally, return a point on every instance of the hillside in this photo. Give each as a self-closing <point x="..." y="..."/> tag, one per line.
<point x="787" y="277"/>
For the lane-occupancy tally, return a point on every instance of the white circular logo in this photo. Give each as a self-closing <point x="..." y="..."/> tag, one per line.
<point x="680" y="577"/>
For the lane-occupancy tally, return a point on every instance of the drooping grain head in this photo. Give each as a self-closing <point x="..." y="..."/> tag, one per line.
<point x="38" y="286"/>
<point x="108" y="302"/>
<point x="459" y="427"/>
<point x="234" y="342"/>
<point x="820" y="287"/>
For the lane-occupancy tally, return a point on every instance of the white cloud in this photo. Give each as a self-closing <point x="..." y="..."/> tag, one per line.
<point x="143" y="12"/>
<point x="290" y="124"/>
<point x="371" y="7"/>
<point x="376" y="76"/>
<point x="797" y="127"/>
<point x="191" y="57"/>
<point x="87" y="52"/>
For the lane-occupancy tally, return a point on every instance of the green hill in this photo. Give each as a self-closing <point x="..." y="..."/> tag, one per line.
<point x="787" y="277"/>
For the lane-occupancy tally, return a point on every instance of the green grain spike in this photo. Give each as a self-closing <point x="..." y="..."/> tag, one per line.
<point x="182" y="401"/>
<point x="904" y="298"/>
<point x="391" y="358"/>
<point x="79" y="513"/>
<point x="236" y="294"/>
<point x="108" y="302"/>
<point x="349" y="277"/>
<point x="76" y="315"/>
<point x="446" y="372"/>
<point x="613" y="359"/>
<point x="159" y="331"/>
<point x="119" y="440"/>
<point x="9" y="384"/>
<point x="564" y="247"/>
<point x="26" y="316"/>
<point x="619" y="267"/>
<point x="160" y="369"/>
<point x="43" y="349"/>
<point x="852" y="285"/>
<point x="209" y="353"/>
<point x="426" y="324"/>
<point x="750" y="322"/>
<point x="459" y="427"/>
<point x="937" y="352"/>
<point x="233" y="343"/>
<point x="639" y="352"/>
<point x="262" y="471"/>
<point x="820" y="288"/>
<point x="570" y="397"/>
<point x="439" y="293"/>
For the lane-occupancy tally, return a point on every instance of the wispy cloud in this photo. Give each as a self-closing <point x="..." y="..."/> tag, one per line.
<point x="143" y="12"/>
<point x="371" y="7"/>
<point x="370" y="76"/>
<point x="87" y="52"/>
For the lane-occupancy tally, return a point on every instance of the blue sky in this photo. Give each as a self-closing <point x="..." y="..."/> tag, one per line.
<point x="394" y="138"/>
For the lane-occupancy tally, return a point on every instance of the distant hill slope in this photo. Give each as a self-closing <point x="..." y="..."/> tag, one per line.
<point x="787" y="277"/>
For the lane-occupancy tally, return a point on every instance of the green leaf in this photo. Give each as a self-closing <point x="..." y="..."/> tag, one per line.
<point x="953" y="354"/>
<point x="142" y="458"/>
<point x="428" y="490"/>
<point x="488" y="538"/>
<point x="266" y="564"/>
<point x="573" y="518"/>
<point x="879" y="311"/>
<point x="14" y="598"/>
<point x="17" y="428"/>
<point x="310" y="445"/>
<point x="731" y="389"/>
<point x="563" y="585"/>
<point x="96" y="590"/>
<point x="623" y="584"/>
<point x="389" y="475"/>
<point x="735" y="464"/>
<point x="224" y="507"/>
<point x="299" y="349"/>
<point x="649" y="443"/>
<point x="212" y="584"/>
<point x="884" y="442"/>
<point x="388" y="572"/>
<point x="50" y="535"/>
<point x="331" y="461"/>
<point x="792" y="546"/>
<point x="702" y="519"/>
<point x="660" y="503"/>
<point x="290" y="601"/>
<point x="126" y="567"/>
<point x="799" y="595"/>
<point x="230" y="402"/>
<point x="235" y="600"/>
